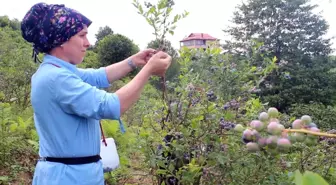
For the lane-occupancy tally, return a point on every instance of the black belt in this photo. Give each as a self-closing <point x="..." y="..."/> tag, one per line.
<point x="73" y="160"/>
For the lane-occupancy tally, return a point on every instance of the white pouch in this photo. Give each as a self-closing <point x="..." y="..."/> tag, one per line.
<point x="109" y="155"/>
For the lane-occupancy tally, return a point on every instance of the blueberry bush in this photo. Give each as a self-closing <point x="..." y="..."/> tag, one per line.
<point x="197" y="133"/>
<point x="207" y="126"/>
<point x="203" y="123"/>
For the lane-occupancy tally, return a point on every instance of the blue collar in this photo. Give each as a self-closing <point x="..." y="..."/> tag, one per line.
<point x="59" y="62"/>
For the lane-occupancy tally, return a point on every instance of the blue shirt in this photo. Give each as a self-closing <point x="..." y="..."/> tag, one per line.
<point x="68" y="105"/>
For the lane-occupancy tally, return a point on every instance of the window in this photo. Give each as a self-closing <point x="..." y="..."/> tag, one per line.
<point x="200" y="42"/>
<point x="188" y="43"/>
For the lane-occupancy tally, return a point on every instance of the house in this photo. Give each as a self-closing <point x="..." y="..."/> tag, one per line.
<point x="199" y="40"/>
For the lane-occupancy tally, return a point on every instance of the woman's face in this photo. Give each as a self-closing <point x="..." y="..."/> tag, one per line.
<point x="75" y="48"/>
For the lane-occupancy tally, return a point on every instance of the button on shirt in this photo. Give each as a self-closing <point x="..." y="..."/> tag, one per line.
<point x="68" y="105"/>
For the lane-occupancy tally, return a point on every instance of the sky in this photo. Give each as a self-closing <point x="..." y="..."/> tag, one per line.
<point x="210" y="16"/>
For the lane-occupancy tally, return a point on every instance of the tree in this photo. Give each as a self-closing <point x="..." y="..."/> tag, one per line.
<point x="312" y="81"/>
<point x="168" y="47"/>
<point x="115" y="48"/>
<point x="288" y="28"/>
<point x="90" y="60"/>
<point x="6" y="22"/>
<point x="290" y="31"/>
<point x="173" y="69"/>
<point x="103" y="32"/>
<point x="16" y="67"/>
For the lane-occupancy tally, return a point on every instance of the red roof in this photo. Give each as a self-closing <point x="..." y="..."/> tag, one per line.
<point x="199" y="36"/>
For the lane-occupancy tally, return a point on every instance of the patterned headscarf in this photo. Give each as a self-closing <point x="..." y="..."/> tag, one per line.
<point x="48" y="26"/>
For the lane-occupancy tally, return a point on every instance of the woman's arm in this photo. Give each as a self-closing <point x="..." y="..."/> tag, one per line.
<point x="118" y="70"/>
<point x="104" y="76"/>
<point x="94" y="77"/>
<point x="130" y="93"/>
<point x="80" y="98"/>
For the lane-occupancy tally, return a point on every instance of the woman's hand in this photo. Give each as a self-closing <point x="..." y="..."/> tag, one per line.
<point x="158" y="64"/>
<point x="142" y="57"/>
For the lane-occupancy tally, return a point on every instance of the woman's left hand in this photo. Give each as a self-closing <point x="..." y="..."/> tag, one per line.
<point x="141" y="58"/>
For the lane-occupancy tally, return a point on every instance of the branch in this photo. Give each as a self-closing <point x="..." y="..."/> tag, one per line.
<point x="310" y="132"/>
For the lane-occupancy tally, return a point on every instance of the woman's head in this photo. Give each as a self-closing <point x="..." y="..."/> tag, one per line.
<point x="57" y="30"/>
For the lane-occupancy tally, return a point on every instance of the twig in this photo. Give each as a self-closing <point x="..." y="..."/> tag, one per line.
<point x="310" y="132"/>
<point x="186" y="112"/>
<point x="330" y="165"/>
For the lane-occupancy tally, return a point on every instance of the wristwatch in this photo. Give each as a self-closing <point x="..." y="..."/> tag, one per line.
<point x="130" y="63"/>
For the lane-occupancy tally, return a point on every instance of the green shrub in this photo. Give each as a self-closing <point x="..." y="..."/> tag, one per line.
<point x="324" y="115"/>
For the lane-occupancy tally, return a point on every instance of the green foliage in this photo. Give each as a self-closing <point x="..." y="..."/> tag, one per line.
<point x="208" y="94"/>
<point x="231" y="77"/>
<point x="303" y="83"/>
<point x="6" y="22"/>
<point x="323" y="115"/>
<point x="194" y="116"/>
<point x="128" y="150"/>
<point x="173" y="70"/>
<point x="158" y="17"/>
<point x="16" y="67"/>
<point x="168" y="47"/>
<point x="103" y="32"/>
<point x="18" y="142"/>
<point x="296" y="36"/>
<point x="288" y="29"/>
<point x="203" y="149"/>
<point x="90" y="60"/>
<point x="115" y="48"/>
<point x="309" y="178"/>
<point x="18" y="138"/>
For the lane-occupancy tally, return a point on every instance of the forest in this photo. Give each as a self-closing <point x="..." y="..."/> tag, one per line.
<point x="259" y="111"/>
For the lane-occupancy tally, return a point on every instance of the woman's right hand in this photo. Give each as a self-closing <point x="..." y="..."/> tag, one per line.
<point x="130" y="93"/>
<point x="158" y="64"/>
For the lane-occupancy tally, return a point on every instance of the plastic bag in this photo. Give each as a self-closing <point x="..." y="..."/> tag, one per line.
<point x="109" y="155"/>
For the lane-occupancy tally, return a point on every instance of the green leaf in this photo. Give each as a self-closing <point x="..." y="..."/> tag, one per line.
<point x="311" y="178"/>
<point x="176" y="18"/>
<point x="4" y="178"/>
<point x="149" y="21"/>
<point x="173" y="27"/>
<point x="32" y="142"/>
<point x="185" y="14"/>
<point x="171" y="167"/>
<point x="140" y="9"/>
<point x="253" y="69"/>
<point x="151" y="10"/>
<point x="160" y="171"/>
<point x="194" y="124"/>
<point x="135" y="3"/>
<point x="162" y="4"/>
<point x="169" y="10"/>
<point x="298" y="178"/>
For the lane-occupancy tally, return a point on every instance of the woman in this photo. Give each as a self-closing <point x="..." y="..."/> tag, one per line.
<point x="66" y="100"/>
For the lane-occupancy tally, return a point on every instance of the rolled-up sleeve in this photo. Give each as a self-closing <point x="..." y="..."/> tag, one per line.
<point x="80" y="98"/>
<point x="95" y="77"/>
